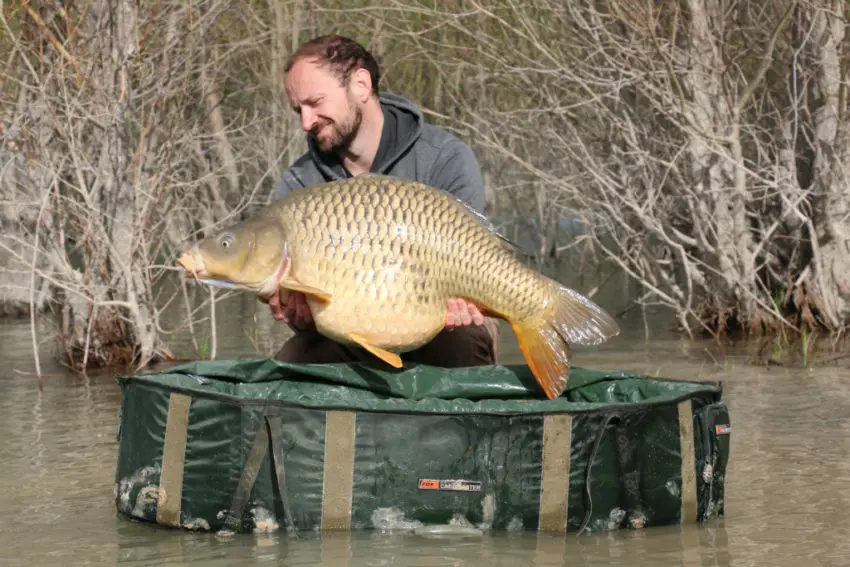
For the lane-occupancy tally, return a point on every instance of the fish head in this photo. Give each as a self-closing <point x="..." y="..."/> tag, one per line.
<point x="251" y="256"/>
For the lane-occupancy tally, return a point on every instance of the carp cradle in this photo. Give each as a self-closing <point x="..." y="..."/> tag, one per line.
<point x="251" y="444"/>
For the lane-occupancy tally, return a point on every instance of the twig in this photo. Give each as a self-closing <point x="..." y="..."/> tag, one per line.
<point x="190" y="316"/>
<point x="36" y="374"/>
<point x="33" y="262"/>
<point x="213" y="333"/>
<point x="50" y="37"/>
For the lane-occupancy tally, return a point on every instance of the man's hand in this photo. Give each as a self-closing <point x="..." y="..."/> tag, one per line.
<point x="460" y="313"/>
<point x="295" y="313"/>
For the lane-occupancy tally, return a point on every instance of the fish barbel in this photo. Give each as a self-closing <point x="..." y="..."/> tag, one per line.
<point x="379" y="257"/>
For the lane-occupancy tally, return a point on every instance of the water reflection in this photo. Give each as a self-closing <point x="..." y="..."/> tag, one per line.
<point x="686" y="546"/>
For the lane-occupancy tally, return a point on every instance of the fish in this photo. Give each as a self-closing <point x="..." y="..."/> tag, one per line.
<point x="378" y="257"/>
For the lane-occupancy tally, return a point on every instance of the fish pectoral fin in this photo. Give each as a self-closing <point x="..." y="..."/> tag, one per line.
<point x="389" y="357"/>
<point x="292" y="285"/>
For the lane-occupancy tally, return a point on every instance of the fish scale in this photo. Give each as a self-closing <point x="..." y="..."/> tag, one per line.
<point x="378" y="259"/>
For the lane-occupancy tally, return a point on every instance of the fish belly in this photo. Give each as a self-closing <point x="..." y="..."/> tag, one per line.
<point x="376" y="295"/>
<point x="382" y="325"/>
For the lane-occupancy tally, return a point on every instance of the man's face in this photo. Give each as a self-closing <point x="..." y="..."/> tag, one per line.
<point x="330" y="112"/>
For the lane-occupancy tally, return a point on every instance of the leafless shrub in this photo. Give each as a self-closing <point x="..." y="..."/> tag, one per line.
<point x="118" y="147"/>
<point x="702" y="144"/>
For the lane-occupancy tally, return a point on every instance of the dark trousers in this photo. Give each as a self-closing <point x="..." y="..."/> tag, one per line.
<point x="472" y="345"/>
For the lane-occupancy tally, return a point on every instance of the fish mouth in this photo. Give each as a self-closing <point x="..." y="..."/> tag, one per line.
<point x="192" y="262"/>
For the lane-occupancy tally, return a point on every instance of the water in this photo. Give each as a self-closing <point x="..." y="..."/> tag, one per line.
<point x="787" y="491"/>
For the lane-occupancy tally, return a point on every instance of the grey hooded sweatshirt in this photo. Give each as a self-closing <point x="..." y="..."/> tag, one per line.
<point x="409" y="148"/>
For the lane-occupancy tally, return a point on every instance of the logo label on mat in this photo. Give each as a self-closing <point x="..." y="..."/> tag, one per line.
<point x="722" y="429"/>
<point x="450" y="484"/>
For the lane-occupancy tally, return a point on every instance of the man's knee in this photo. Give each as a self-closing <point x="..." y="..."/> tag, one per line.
<point x="472" y="345"/>
<point x="314" y="348"/>
<point x="494" y="332"/>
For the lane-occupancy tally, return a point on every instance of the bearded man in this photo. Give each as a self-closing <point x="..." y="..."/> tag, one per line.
<point x="353" y="129"/>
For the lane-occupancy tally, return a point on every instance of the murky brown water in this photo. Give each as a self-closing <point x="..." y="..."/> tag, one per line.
<point x="787" y="492"/>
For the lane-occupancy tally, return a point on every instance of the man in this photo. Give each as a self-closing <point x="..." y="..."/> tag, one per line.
<point x="332" y="83"/>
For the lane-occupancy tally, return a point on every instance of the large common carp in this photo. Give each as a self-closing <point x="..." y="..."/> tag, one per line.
<point x="378" y="259"/>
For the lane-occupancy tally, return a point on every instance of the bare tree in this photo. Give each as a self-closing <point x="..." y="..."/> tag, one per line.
<point x="119" y="147"/>
<point x="702" y="143"/>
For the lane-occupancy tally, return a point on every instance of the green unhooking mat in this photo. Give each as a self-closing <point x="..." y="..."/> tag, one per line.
<point x="256" y="444"/>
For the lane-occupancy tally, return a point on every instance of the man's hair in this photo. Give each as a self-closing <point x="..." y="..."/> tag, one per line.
<point x="343" y="55"/>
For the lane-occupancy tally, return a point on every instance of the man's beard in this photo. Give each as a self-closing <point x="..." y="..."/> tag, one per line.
<point x="342" y="134"/>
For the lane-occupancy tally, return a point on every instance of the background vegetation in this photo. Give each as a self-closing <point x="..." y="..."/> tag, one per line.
<point x="700" y="146"/>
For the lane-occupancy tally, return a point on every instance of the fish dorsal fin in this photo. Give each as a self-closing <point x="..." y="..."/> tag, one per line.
<point x="488" y="224"/>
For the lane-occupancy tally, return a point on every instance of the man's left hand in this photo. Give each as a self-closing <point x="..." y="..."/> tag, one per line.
<point x="461" y="313"/>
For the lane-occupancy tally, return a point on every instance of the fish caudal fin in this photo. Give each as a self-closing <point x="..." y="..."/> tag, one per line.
<point x="389" y="357"/>
<point x="544" y="338"/>
<point x="546" y="353"/>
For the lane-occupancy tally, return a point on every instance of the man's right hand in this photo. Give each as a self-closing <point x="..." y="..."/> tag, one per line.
<point x="295" y="312"/>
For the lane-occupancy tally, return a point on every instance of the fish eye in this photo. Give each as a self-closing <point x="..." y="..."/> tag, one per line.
<point x="226" y="241"/>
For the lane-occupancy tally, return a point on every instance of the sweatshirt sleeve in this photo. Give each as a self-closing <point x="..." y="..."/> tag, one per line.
<point x="456" y="170"/>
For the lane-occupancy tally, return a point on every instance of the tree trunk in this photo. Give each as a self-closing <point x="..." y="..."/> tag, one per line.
<point x="716" y="161"/>
<point x="831" y="263"/>
<point x="24" y="278"/>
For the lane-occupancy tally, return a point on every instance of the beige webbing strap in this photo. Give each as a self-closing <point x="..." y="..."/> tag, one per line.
<point x="338" y="470"/>
<point x="689" y="471"/>
<point x="555" y="481"/>
<point x="173" y="453"/>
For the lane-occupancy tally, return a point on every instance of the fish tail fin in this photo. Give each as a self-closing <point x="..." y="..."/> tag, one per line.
<point x="545" y="337"/>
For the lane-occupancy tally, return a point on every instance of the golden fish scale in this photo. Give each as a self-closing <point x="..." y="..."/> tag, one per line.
<point x="392" y="254"/>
